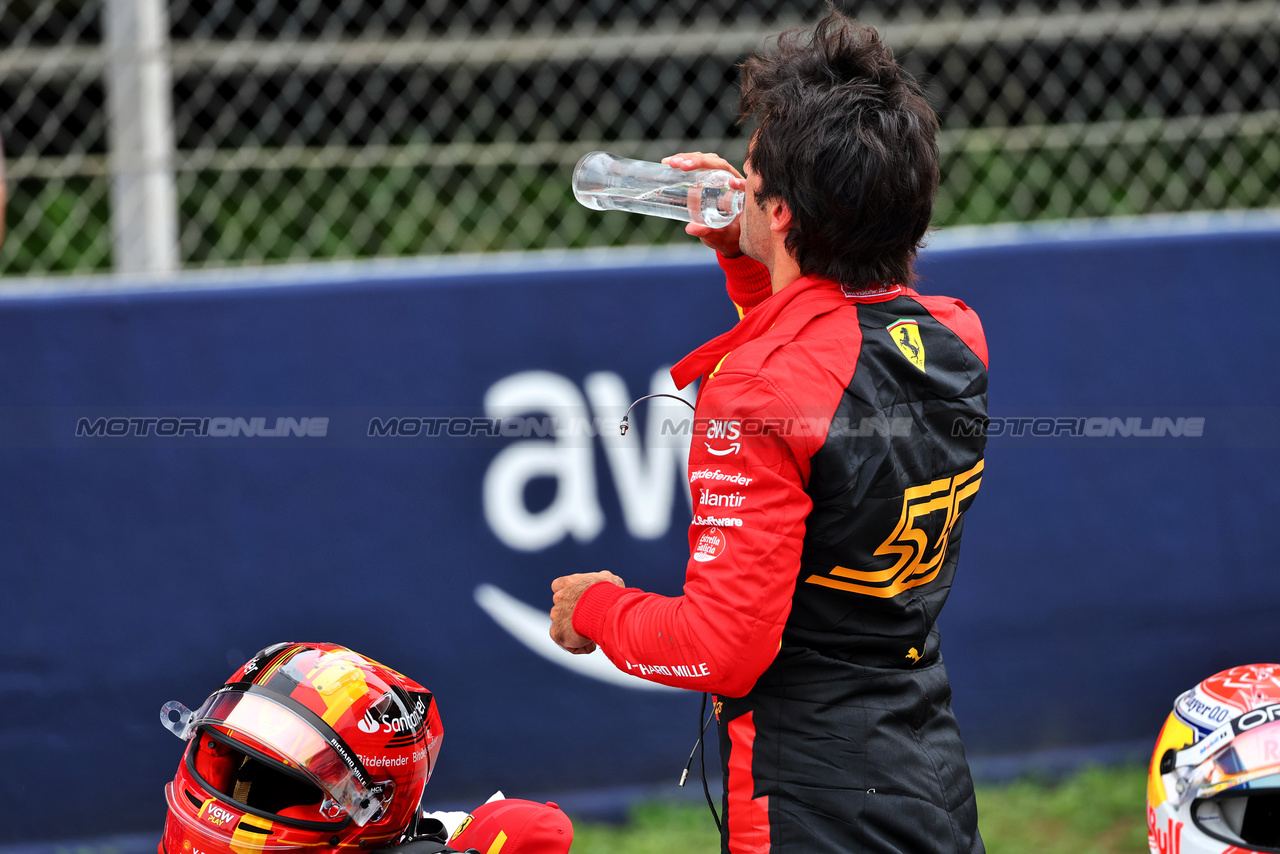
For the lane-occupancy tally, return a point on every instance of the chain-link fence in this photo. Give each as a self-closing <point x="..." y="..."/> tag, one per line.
<point x="352" y="128"/>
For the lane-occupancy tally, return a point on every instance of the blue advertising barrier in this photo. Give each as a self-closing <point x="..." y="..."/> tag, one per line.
<point x="400" y="457"/>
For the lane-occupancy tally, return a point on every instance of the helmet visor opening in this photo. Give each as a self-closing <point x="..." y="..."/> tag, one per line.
<point x="260" y="785"/>
<point x="1261" y="825"/>
<point x="265" y="787"/>
<point x="295" y="743"/>
<point x="1248" y="817"/>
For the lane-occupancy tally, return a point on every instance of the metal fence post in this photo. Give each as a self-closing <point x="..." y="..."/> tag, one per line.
<point x="144" y="214"/>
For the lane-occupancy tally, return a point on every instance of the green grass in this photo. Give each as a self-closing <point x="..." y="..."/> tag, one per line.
<point x="654" y="828"/>
<point x="1096" y="811"/>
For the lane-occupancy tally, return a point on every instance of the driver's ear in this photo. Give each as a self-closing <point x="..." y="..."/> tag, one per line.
<point x="780" y="217"/>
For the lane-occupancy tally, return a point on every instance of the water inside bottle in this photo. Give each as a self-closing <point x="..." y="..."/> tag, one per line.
<point x="711" y="206"/>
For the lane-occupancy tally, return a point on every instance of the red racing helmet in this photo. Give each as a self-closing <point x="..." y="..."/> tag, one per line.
<point x="307" y="746"/>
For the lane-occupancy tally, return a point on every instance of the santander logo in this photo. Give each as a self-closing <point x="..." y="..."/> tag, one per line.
<point x="368" y="723"/>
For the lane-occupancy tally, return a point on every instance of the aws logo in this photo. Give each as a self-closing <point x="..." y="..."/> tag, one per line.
<point x="918" y="542"/>
<point x="719" y="429"/>
<point x="906" y="336"/>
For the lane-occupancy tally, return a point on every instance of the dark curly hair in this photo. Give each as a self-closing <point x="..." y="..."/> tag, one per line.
<point x="848" y="142"/>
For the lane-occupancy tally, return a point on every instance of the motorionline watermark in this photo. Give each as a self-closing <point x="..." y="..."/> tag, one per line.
<point x="1093" y="427"/>
<point x="555" y="426"/>
<point x="589" y="427"/>
<point x="204" y="426"/>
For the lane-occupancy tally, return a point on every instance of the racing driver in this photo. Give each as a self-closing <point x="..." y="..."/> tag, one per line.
<point x="837" y="444"/>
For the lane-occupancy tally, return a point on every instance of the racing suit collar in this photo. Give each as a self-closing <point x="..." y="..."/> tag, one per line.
<point x="811" y="295"/>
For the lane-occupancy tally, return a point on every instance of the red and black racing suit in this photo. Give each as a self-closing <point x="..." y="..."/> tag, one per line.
<point x="836" y="446"/>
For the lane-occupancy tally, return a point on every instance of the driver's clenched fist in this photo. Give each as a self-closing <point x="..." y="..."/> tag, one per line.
<point x="566" y="591"/>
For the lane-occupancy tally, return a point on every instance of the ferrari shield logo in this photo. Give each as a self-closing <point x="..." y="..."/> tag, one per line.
<point x="906" y="334"/>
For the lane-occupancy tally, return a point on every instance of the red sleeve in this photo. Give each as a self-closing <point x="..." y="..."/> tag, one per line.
<point x="747" y="280"/>
<point x="960" y="319"/>
<point x="750" y="506"/>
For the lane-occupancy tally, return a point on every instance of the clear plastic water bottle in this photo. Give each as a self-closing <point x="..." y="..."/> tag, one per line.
<point x="606" y="182"/>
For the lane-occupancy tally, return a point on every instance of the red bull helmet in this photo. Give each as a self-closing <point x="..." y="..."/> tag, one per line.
<point x="307" y="746"/>
<point x="1214" y="781"/>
